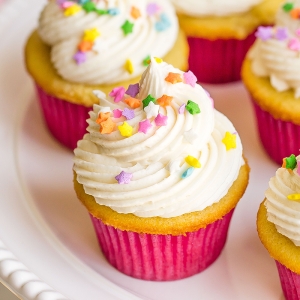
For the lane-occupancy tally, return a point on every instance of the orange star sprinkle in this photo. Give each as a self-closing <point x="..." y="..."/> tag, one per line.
<point x="102" y="117"/>
<point x="135" y="12"/>
<point x="173" y="78"/>
<point x="164" y="100"/>
<point x="295" y="13"/>
<point x="85" y="46"/>
<point x="133" y="102"/>
<point x="107" y="126"/>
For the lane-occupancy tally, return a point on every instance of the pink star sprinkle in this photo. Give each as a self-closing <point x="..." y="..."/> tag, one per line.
<point x="181" y="109"/>
<point x="298" y="31"/>
<point x="190" y="78"/>
<point x="66" y="4"/>
<point x="124" y="178"/>
<point x="128" y="113"/>
<point x="161" y="120"/>
<point x="117" y="113"/>
<point x="294" y="44"/>
<point x="117" y="93"/>
<point x="133" y="90"/>
<point x="80" y="57"/>
<point x="144" y="126"/>
<point x="152" y="9"/>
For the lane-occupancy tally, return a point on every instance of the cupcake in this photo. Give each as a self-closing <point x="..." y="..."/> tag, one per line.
<point x="270" y="73"/>
<point x="80" y="46"/>
<point x="160" y="172"/>
<point x="220" y="33"/>
<point x="278" y="224"/>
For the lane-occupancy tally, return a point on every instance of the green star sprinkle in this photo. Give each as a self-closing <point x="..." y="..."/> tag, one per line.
<point x="287" y="7"/>
<point x="291" y="162"/>
<point x="102" y="11"/>
<point x="127" y="27"/>
<point x="192" y="107"/>
<point x="147" y="100"/>
<point x="146" y="61"/>
<point x="89" y="6"/>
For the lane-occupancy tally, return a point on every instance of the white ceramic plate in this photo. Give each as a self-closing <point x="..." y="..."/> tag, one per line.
<point x="48" y="249"/>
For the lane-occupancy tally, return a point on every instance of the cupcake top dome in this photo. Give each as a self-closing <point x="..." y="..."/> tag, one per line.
<point x="103" y="42"/>
<point x="213" y="7"/>
<point x="158" y="148"/>
<point x="276" y="53"/>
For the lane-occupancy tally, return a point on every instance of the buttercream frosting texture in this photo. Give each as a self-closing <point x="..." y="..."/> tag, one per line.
<point x="213" y="7"/>
<point x="162" y="160"/>
<point x="276" y="52"/>
<point x="103" y="42"/>
<point x="282" y="211"/>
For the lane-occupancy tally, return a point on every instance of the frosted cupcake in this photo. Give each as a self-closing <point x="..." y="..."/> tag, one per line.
<point x="220" y="32"/>
<point x="271" y="74"/>
<point x="278" y="224"/>
<point x="160" y="172"/>
<point x="80" y="46"/>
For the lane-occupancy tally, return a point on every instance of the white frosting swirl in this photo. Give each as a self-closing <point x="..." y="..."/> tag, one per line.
<point x="281" y="211"/>
<point x="105" y="63"/>
<point x="213" y="7"/>
<point x="157" y="159"/>
<point x="277" y="54"/>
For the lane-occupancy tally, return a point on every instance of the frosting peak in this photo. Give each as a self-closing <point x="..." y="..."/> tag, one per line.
<point x="158" y="154"/>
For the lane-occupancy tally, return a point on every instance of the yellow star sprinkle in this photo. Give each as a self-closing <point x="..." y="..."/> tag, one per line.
<point x="125" y="129"/>
<point x="129" y="66"/>
<point x="72" y="10"/>
<point x="294" y="197"/>
<point x="91" y="34"/>
<point x="158" y="60"/>
<point x="229" y="140"/>
<point x="192" y="161"/>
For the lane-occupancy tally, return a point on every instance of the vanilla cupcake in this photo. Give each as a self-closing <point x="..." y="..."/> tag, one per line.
<point x="278" y="224"/>
<point x="160" y="171"/>
<point x="220" y="33"/>
<point x="80" y="46"/>
<point x="271" y="73"/>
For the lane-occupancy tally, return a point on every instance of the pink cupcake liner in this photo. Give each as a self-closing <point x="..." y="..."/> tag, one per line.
<point x="162" y="257"/>
<point x="65" y="120"/>
<point x="290" y="282"/>
<point x="279" y="138"/>
<point x="218" y="61"/>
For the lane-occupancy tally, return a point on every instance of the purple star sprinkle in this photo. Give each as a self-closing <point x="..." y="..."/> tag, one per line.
<point x="133" y="90"/>
<point x="181" y="109"/>
<point x="152" y="9"/>
<point x="264" y="32"/>
<point x="281" y="34"/>
<point x="124" y="178"/>
<point x="80" y="57"/>
<point x="190" y="78"/>
<point x="128" y="113"/>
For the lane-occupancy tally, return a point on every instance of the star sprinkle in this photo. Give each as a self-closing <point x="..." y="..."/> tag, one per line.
<point x="164" y="100"/>
<point x="294" y="197"/>
<point x="117" y="113"/>
<point x="161" y="120"/>
<point x="290" y="162"/>
<point x="91" y="34"/>
<point x="295" y="13"/>
<point x="129" y="66"/>
<point x="190" y="78"/>
<point x="102" y="117"/>
<point x="107" y="126"/>
<point x="187" y="173"/>
<point x="294" y="44"/>
<point x="152" y="9"/>
<point x="133" y="90"/>
<point x="144" y="126"/>
<point x="192" y="161"/>
<point x="80" y="57"/>
<point x="127" y="27"/>
<point x="117" y="93"/>
<point x="181" y="109"/>
<point x="125" y="129"/>
<point x="281" y="34"/>
<point x="229" y="141"/>
<point x="65" y="4"/>
<point x="151" y="110"/>
<point x="158" y="60"/>
<point x="113" y="11"/>
<point x="264" y="32"/>
<point x="192" y="107"/>
<point x="147" y="100"/>
<point x="124" y="178"/>
<point x="146" y="61"/>
<point x="173" y="78"/>
<point x="85" y="46"/>
<point x="72" y="10"/>
<point x="287" y="7"/>
<point x="133" y="102"/>
<point x="135" y="12"/>
<point x="89" y="6"/>
<point x="163" y="23"/>
<point x="128" y="113"/>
